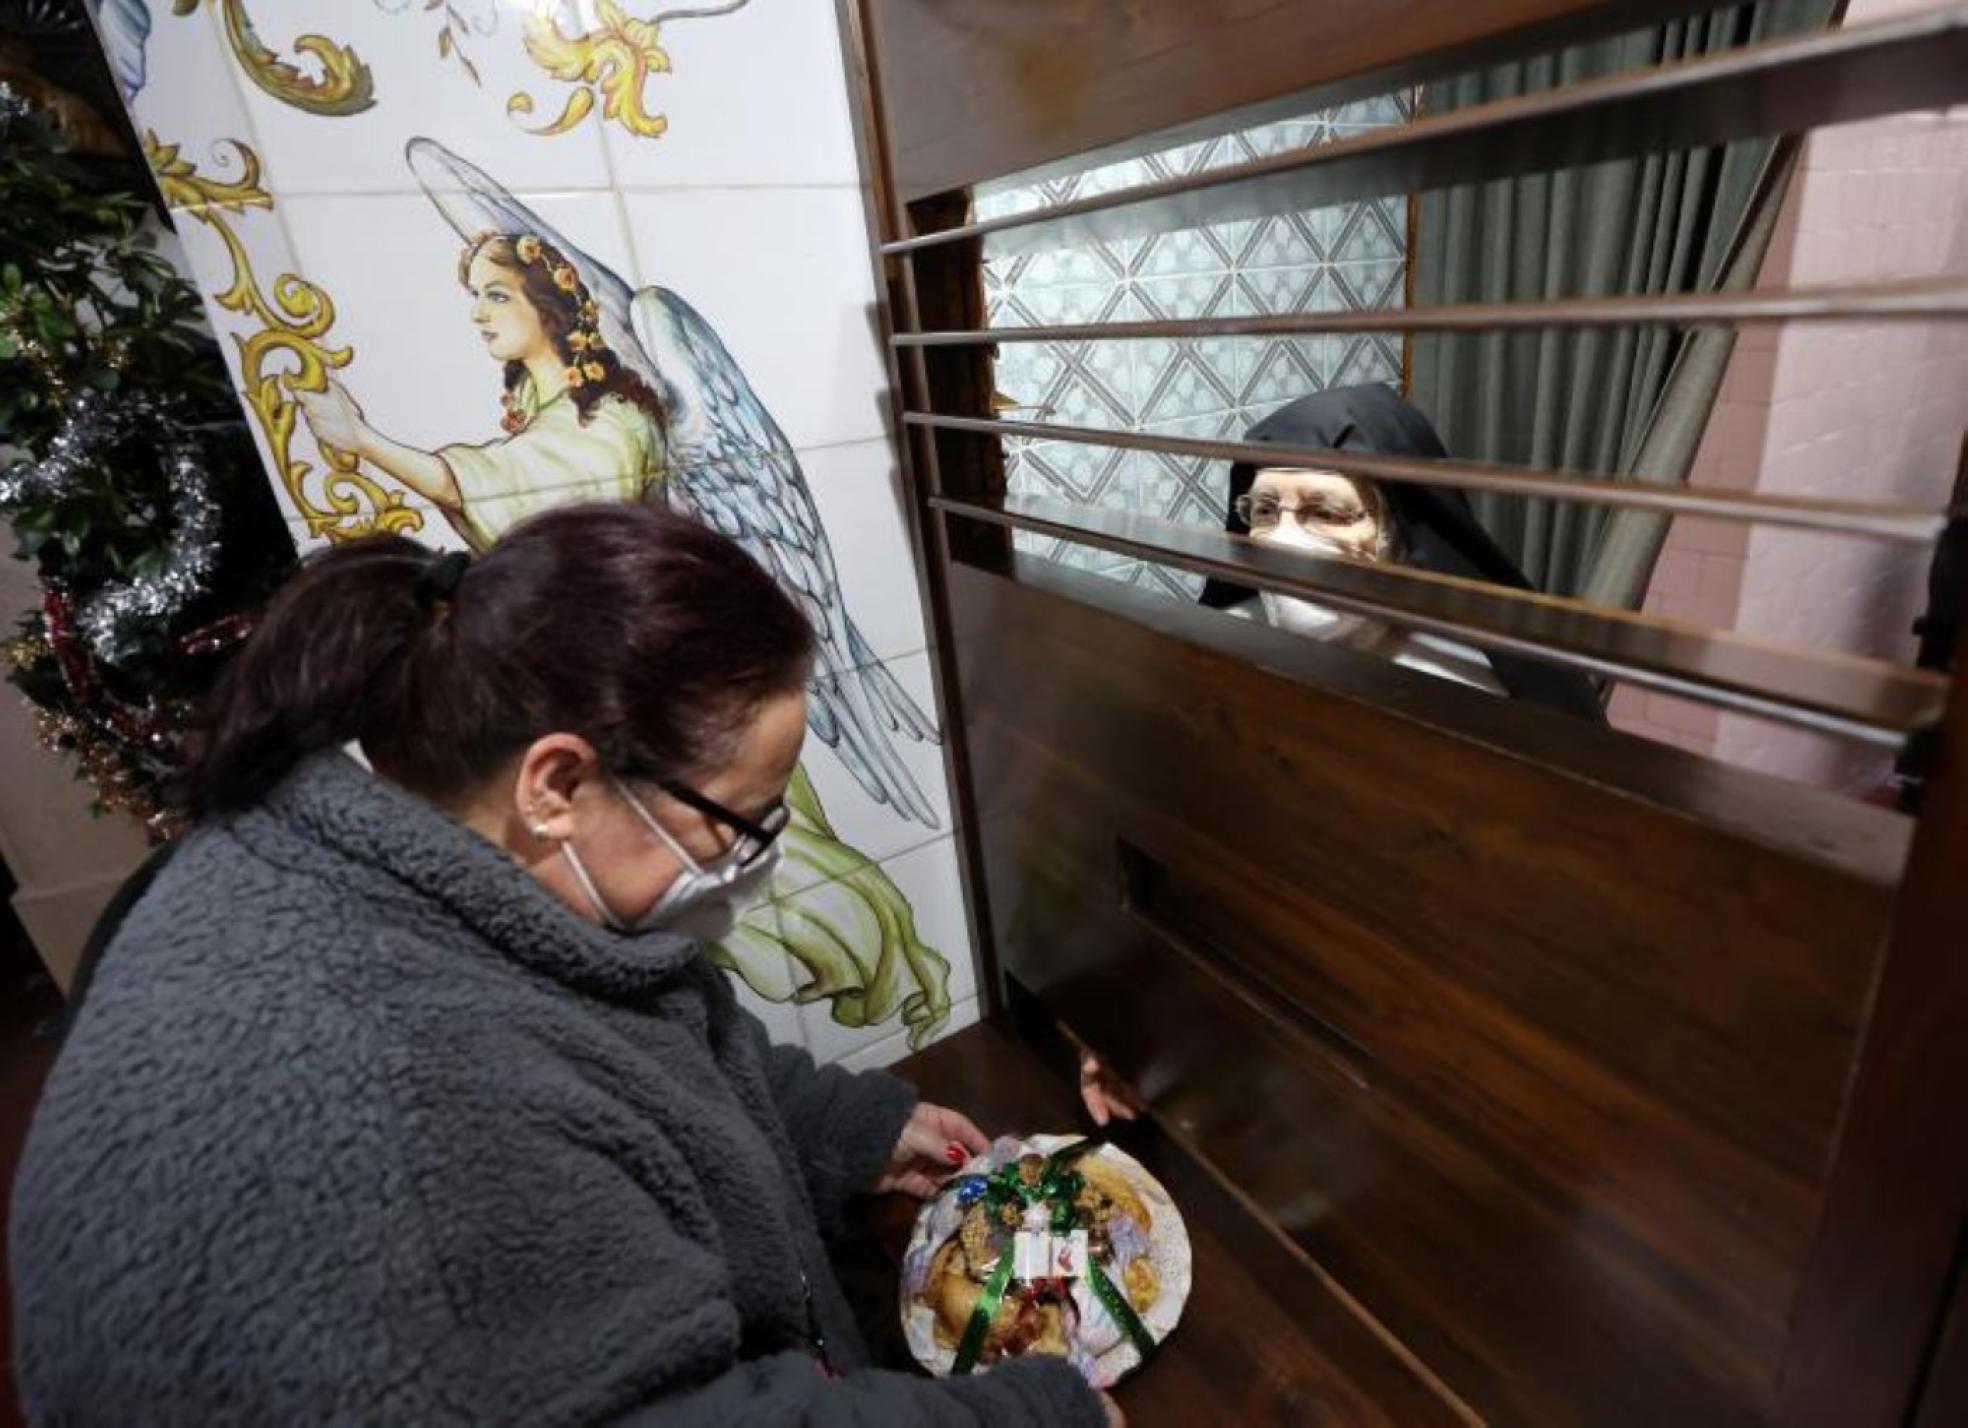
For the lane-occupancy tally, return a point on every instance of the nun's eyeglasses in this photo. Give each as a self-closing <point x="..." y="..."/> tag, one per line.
<point x="1262" y="513"/>
<point x="754" y="836"/>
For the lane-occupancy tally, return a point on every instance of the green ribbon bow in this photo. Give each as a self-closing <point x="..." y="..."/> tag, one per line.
<point x="1058" y="1187"/>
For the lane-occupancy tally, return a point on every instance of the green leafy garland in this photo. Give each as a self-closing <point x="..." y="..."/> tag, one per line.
<point x="126" y="471"/>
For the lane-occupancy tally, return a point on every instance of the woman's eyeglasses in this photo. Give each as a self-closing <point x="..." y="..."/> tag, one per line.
<point x="1263" y="512"/>
<point x="754" y="837"/>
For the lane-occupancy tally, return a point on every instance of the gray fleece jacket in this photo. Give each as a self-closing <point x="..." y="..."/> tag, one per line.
<point x="360" y="1125"/>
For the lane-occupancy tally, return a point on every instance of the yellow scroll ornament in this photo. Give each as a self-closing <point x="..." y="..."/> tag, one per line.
<point x="344" y="86"/>
<point x="613" y="61"/>
<point x="292" y="321"/>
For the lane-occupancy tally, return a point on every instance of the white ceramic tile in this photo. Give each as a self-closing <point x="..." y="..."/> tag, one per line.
<point x="419" y="92"/>
<point x="187" y="96"/>
<point x="1365" y="359"/>
<point x="755" y="956"/>
<point x="432" y="530"/>
<point x="1028" y="373"/>
<point x="858" y="491"/>
<point x="891" y="1049"/>
<point x="872" y="828"/>
<point x="1284" y="370"/>
<point x="928" y="878"/>
<point x="1287" y="240"/>
<point x="264" y="241"/>
<point x="781" y="1017"/>
<point x="828" y="1040"/>
<point x="963" y="1015"/>
<point x="1043" y="305"/>
<point x="878" y="1054"/>
<point x="784" y="278"/>
<point x="1298" y="290"/>
<point x="1083" y="475"/>
<point x="758" y="96"/>
<point x="1368" y="285"/>
<point x="1286" y="135"/>
<point x="390" y="263"/>
<point x="1071" y="266"/>
<point x="499" y="516"/>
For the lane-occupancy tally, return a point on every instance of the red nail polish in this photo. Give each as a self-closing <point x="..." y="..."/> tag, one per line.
<point x="955" y="1153"/>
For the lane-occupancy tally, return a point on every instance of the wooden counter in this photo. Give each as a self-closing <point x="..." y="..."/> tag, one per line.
<point x="1262" y="1340"/>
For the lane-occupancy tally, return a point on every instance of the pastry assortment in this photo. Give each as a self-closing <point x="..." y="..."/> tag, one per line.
<point x="1052" y="1245"/>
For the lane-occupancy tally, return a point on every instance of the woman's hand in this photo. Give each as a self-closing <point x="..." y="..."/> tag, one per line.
<point x="933" y="1145"/>
<point x="1115" y="1418"/>
<point x="333" y="416"/>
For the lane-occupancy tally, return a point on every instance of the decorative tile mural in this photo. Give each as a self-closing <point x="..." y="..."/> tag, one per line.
<point x="1348" y="256"/>
<point x="462" y="253"/>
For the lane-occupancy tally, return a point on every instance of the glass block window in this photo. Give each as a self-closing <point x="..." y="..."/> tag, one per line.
<point x="1347" y="256"/>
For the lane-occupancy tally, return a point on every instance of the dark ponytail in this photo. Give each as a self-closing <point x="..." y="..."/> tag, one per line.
<point x="650" y="636"/>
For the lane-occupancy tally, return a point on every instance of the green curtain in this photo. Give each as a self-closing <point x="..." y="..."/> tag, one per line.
<point x="1628" y="401"/>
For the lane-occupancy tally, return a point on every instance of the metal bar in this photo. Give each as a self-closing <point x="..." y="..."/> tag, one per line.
<point x="1915" y="61"/>
<point x="1852" y="518"/>
<point x="1919" y="300"/>
<point x="1862" y="699"/>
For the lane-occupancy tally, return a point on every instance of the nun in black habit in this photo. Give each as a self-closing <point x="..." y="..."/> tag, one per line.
<point x="1426" y="527"/>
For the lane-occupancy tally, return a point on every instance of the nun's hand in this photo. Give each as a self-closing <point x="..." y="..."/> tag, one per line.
<point x="1104" y="1094"/>
<point x="933" y="1146"/>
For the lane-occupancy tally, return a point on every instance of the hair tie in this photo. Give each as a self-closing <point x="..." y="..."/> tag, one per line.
<point x="438" y="584"/>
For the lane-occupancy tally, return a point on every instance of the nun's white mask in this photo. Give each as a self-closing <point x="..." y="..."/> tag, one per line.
<point x="1319" y="513"/>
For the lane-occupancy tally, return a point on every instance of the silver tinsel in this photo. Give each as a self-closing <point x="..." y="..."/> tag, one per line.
<point x="87" y="426"/>
<point x="187" y="564"/>
<point x="90" y="427"/>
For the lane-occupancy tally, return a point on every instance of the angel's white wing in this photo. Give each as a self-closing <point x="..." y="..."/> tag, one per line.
<point x="124" y="26"/>
<point x="732" y="468"/>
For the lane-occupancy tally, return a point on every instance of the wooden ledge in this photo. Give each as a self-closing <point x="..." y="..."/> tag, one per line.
<point x="1264" y="1338"/>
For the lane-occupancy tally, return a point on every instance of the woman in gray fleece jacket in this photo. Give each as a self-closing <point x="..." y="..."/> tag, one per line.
<point x="411" y="1097"/>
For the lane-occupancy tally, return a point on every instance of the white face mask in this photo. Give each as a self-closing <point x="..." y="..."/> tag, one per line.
<point x="1316" y="622"/>
<point x="1293" y="536"/>
<point x="1304" y="617"/>
<point x="706" y="899"/>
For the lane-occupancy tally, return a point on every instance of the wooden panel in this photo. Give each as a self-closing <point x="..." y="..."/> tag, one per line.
<point x="1874" y="1326"/>
<point x="977" y="91"/>
<point x="1904" y="62"/>
<point x="1541" y="1064"/>
<point x="1254" y="1346"/>
<point x="1942" y="1399"/>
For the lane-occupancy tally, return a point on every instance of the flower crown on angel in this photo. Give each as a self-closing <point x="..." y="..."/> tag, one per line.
<point x="583" y="343"/>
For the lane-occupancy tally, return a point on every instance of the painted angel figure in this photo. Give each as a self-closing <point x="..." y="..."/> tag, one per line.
<point x="609" y="393"/>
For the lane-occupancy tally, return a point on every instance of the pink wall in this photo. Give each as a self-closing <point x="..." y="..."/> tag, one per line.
<point x="1874" y="412"/>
